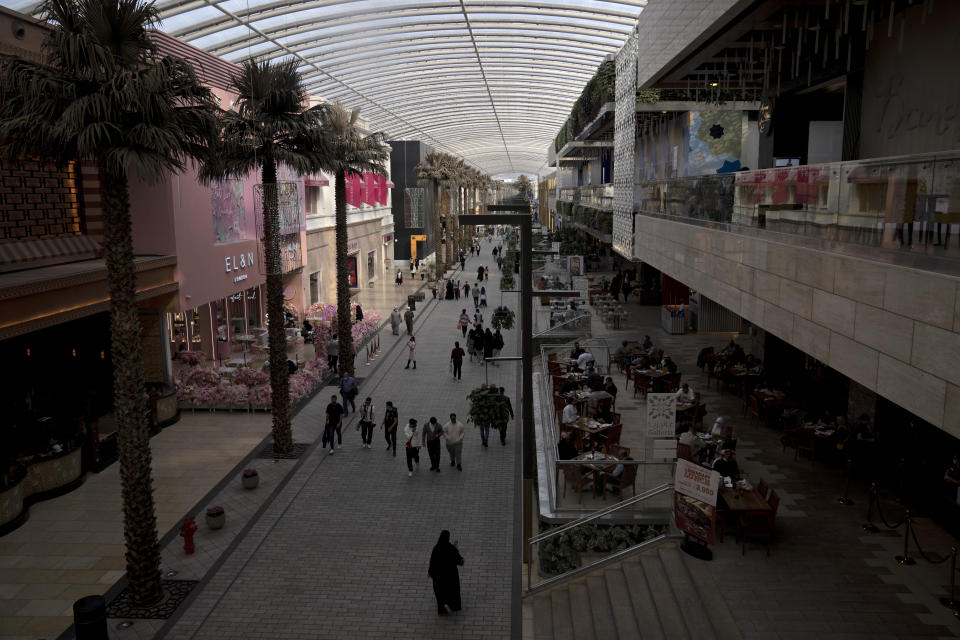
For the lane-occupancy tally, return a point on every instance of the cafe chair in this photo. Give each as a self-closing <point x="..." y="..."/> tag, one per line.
<point x="641" y="383"/>
<point x="609" y="436"/>
<point x="758" y="525"/>
<point x="762" y="489"/>
<point x="803" y="441"/>
<point x="574" y="476"/>
<point x="626" y="479"/>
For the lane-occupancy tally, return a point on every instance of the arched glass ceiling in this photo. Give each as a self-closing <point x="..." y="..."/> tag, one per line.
<point x="491" y="81"/>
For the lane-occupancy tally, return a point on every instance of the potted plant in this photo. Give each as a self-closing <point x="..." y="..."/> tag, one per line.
<point x="507" y="283"/>
<point x="250" y="479"/>
<point x="502" y="318"/>
<point x="488" y="408"/>
<point x="216" y="517"/>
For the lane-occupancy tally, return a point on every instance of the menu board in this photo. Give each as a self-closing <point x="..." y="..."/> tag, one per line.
<point x="695" y="500"/>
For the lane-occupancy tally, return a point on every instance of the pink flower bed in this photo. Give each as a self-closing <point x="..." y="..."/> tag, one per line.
<point x="251" y="377"/>
<point x="359" y="331"/>
<point x="200" y="378"/>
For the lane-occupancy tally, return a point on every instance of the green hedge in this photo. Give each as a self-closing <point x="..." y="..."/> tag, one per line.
<point x="600" y="89"/>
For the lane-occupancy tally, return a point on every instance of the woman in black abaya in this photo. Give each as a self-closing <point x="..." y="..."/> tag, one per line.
<point x="443" y="570"/>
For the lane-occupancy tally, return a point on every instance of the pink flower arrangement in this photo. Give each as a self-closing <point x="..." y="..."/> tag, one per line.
<point x="359" y="331"/>
<point x="251" y="377"/>
<point x="190" y="358"/>
<point x="317" y="367"/>
<point x="260" y="397"/>
<point x="200" y="378"/>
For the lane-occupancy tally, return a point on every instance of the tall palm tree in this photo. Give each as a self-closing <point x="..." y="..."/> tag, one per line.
<point x="524" y="188"/>
<point x="270" y="125"/>
<point x="455" y="175"/>
<point x="348" y="151"/>
<point x="433" y="170"/>
<point x="103" y="94"/>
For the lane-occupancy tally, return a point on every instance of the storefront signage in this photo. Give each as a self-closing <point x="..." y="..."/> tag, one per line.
<point x="697" y="482"/>
<point x="353" y="245"/>
<point x="237" y="263"/>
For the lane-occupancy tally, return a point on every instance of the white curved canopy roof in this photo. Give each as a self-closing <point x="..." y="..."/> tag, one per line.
<point x="491" y="81"/>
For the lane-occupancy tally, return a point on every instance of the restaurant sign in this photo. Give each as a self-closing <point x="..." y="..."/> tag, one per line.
<point x="695" y="500"/>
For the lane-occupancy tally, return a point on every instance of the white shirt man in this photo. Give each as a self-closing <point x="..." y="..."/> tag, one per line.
<point x="721" y="429"/>
<point x="685" y="393"/>
<point x="583" y="360"/>
<point x="595" y="397"/>
<point x="453" y="432"/>
<point x="569" y="413"/>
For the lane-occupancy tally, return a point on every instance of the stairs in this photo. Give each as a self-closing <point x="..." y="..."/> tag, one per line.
<point x="658" y="594"/>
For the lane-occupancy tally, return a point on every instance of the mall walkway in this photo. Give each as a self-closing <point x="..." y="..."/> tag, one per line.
<point x="342" y="550"/>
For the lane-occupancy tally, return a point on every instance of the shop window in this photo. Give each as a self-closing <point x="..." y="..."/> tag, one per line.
<point x="237" y="308"/>
<point x="314" y="287"/>
<point x="253" y="308"/>
<point x="314" y="200"/>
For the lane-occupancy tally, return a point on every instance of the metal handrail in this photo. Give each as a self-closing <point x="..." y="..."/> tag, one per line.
<point x="579" y="318"/>
<point x="646" y="495"/>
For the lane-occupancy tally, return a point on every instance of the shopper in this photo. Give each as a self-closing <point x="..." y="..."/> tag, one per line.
<point x="479" y="273"/>
<point x="456" y="291"/>
<point x="456" y="360"/>
<point x="444" y="561"/>
<point x="333" y="352"/>
<point x="412" y="445"/>
<point x="359" y="313"/>
<point x="334" y="424"/>
<point x="497" y="343"/>
<point x="463" y="322"/>
<point x="412" y="356"/>
<point x="395" y="321"/>
<point x="487" y="344"/>
<point x="367" y="419"/>
<point x="453" y="434"/>
<point x="502" y="426"/>
<point x="432" y="433"/>
<point x="486" y="273"/>
<point x="466" y="289"/>
<point x="483" y="296"/>
<point x="348" y="391"/>
<point x="476" y="295"/>
<point x="399" y="279"/>
<point x="389" y="426"/>
<point x="408" y="318"/>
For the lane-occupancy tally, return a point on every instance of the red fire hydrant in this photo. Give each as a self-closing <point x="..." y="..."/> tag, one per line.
<point x="187" y="530"/>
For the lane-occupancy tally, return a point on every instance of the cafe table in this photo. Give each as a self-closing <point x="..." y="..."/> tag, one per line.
<point x="597" y="462"/>
<point x="587" y="427"/>
<point x="740" y="499"/>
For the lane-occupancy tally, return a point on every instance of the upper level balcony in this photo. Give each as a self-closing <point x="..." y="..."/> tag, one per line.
<point x="905" y="209"/>
<point x="598" y="196"/>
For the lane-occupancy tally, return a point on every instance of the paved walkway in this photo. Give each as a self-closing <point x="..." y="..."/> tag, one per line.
<point x="342" y="550"/>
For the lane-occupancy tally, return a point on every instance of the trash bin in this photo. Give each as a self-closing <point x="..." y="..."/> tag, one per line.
<point x="90" y="618"/>
<point x="412" y="302"/>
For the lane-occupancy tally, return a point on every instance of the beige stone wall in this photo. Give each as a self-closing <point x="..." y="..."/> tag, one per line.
<point x="892" y="329"/>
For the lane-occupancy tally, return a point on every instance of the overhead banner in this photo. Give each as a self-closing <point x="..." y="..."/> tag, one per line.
<point x="661" y="415"/>
<point x="695" y="500"/>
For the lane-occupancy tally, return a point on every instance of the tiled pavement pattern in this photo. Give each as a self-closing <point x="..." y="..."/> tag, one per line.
<point x="825" y="577"/>
<point x="342" y="551"/>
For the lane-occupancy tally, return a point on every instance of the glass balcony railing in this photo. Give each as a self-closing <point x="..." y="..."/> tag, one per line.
<point x="909" y="203"/>
<point x="599" y="196"/>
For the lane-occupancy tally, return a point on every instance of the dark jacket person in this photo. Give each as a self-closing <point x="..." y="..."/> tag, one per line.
<point x="443" y="570"/>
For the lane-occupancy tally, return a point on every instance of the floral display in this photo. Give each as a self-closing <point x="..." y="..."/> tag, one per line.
<point x="200" y="378"/>
<point x="250" y="388"/>
<point x="190" y="358"/>
<point x="327" y="325"/>
<point x="502" y="318"/>
<point x="251" y="377"/>
<point x="317" y="367"/>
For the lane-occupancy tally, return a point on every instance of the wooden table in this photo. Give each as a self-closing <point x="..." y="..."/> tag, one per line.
<point x="597" y="463"/>
<point x="748" y="501"/>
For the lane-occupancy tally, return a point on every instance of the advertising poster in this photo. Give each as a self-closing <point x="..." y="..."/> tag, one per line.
<point x="575" y="266"/>
<point x="695" y="500"/>
<point x="661" y="415"/>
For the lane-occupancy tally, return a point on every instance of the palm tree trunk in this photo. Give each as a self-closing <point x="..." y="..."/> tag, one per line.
<point x="449" y="250"/>
<point x="344" y="333"/>
<point x="438" y="240"/>
<point x="276" y="337"/>
<point x="129" y="395"/>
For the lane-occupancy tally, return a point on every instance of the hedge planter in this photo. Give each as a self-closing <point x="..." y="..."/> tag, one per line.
<point x="216" y="517"/>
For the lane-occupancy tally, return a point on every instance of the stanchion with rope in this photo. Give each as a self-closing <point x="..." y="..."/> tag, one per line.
<point x="844" y="499"/>
<point x="905" y="559"/>
<point x="950" y="601"/>
<point x="868" y="526"/>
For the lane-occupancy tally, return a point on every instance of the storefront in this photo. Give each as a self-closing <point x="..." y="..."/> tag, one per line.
<point x="367" y="249"/>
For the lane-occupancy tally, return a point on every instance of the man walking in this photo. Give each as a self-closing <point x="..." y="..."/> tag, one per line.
<point x="453" y="433"/>
<point x="408" y="318"/>
<point x="390" y="421"/>
<point x="456" y="357"/>
<point x="333" y="351"/>
<point x="395" y="321"/>
<point x="334" y="424"/>
<point x="412" y="445"/>
<point x="367" y="418"/>
<point x="432" y="433"/>
<point x="476" y="294"/>
<point x="348" y="391"/>
<point x="503" y="423"/>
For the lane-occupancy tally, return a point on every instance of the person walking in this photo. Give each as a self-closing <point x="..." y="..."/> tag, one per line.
<point x="389" y="426"/>
<point x="333" y="352"/>
<point x="412" y="445"/>
<point x="463" y="322"/>
<point x="476" y="295"/>
<point x="367" y="419"/>
<point x="500" y="263"/>
<point x="483" y="296"/>
<point x="479" y="273"/>
<point x="348" y="391"/>
<point x="466" y="289"/>
<point x="408" y="318"/>
<point x="486" y="273"/>
<point x="456" y="291"/>
<point x="334" y="424"/>
<point x="412" y="356"/>
<point x="479" y="343"/>
<point x="399" y="279"/>
<point x="359" y="313"/>
<point x="395" y="321"/>
<point x="478" y="319"/>
<point x="453" y="434"/>
<point x="497" y="344"/>
<point x="432" y="433"/>
<point x="463" y="261"/>
<point x="444" y="561"/>
<point x="456" y="360"/>
<point x="487" y="344"/>
<point x="503" y="422"/>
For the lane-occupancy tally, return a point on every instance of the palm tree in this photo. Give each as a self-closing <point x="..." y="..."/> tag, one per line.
<point x="455" y="176"/>
<point x="348" y="151"/>
<point x="433" y="169"/>
<point x="524" y="188"/>
<point x="104" y="95"/>
<point x="269" y="125"/>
